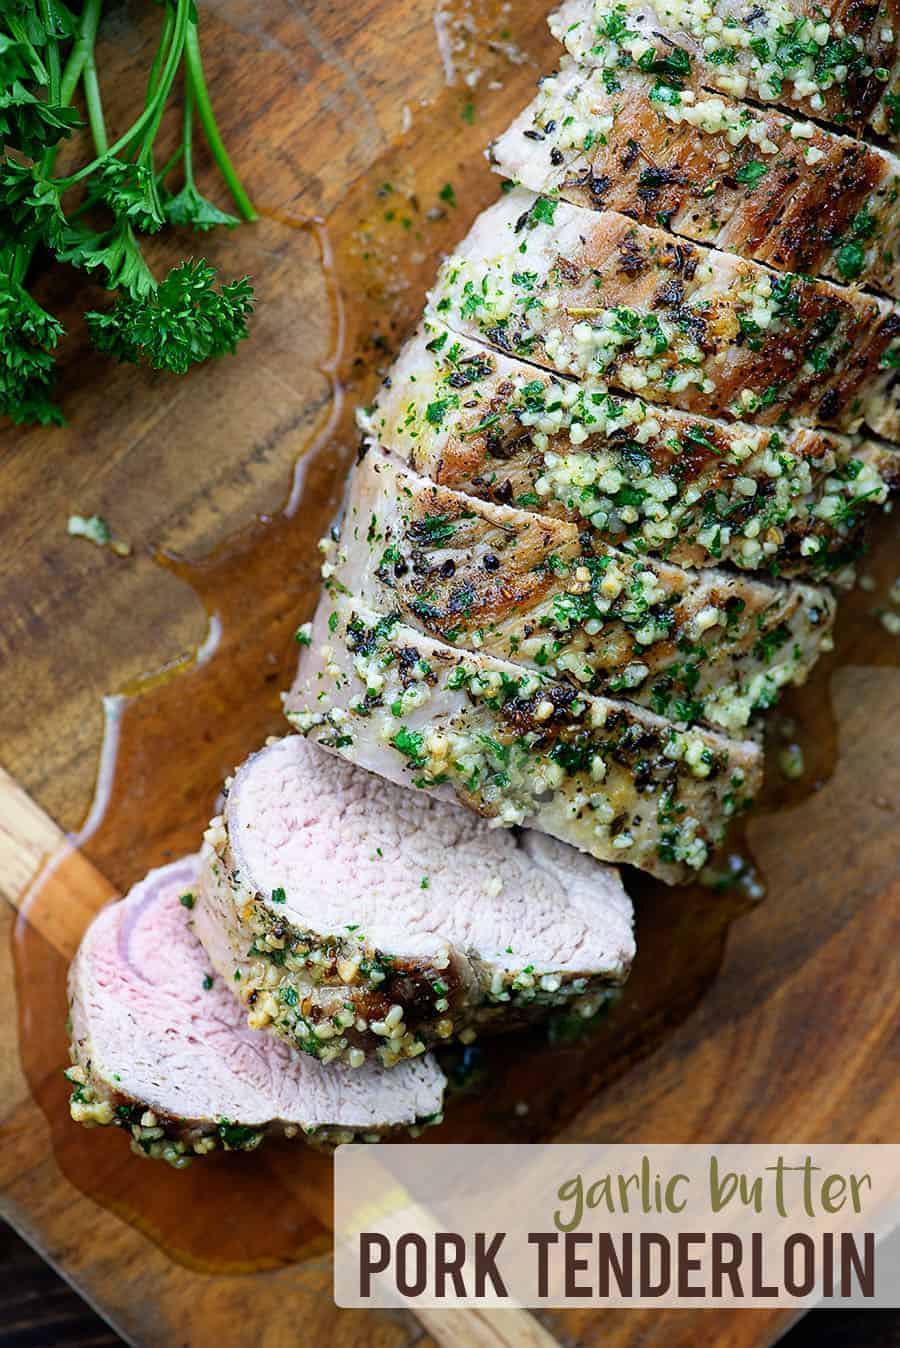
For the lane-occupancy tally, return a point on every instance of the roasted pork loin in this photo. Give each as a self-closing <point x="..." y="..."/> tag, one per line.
<point x="712" y="645"/>
<point x="603" y="500"/>
<point x="355" y="917"/>
<point x="592" y="293"/>
<point x="648" y="479"/>
<point x="838" y="64"/>
<point x="159" y="1045"/>
<point x="608" y="776"/>
<point x="745" y="180"/>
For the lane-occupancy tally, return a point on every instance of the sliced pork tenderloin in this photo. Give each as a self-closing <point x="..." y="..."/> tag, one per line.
<point x="592" y="293"/>
<point x="838" y="64"/>
<point x="159" y="1045"/>
<point x="356" y="917"/>
<point x="647" y="479"/>
<point x="708" y="645"/>
<point x="610" y="777"/>
<point x="744" y="180"/>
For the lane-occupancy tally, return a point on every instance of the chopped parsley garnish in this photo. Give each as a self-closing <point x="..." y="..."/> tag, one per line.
<point x="664" y="93"/>
<point x="436" y="411"/>
<point x="850" y="259"/>
<point x="434" y="529"/>
<point x="410" y="743"/>
<point x="236" y="1136"/>
<point x="543" y="212"/>
<point x="675" y="64"/>
<point x="751" y="173"/>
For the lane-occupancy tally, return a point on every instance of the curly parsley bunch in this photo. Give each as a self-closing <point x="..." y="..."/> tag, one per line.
<point x="47" y="54"/>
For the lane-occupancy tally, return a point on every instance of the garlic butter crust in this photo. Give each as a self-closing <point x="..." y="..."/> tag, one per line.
<point x="645" y="478"/>
<point x="837" y="64"/>
<point x="595" y="294"/>
<point x="747" y="180"/>
<point x="610" y="777"/>
<point x="710" y="645"/>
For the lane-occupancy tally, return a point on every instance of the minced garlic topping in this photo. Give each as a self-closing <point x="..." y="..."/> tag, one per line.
<point x="776" y="52"/>
<point x="617" y="461"/>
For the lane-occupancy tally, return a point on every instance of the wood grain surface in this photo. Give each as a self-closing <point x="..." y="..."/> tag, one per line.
<point x="781" y="1024"/>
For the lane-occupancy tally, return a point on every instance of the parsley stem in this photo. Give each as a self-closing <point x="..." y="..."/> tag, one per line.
<point x="168" y="24"/>
<point x="160" y="85"/>
<point x="153" y="110"/>
<point x="21" y="261"/>
<point x="94" y="104"/>
<point x="197" y="86"/>
<point x="82" y="48"/>
<point x="48" y="21"/>
<point x="187" y="135"/>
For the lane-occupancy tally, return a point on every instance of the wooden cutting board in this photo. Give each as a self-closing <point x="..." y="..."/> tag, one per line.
<point x="360" y="131"/>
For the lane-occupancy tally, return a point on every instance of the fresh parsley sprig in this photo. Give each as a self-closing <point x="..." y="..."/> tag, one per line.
<point x="94" y="217"/>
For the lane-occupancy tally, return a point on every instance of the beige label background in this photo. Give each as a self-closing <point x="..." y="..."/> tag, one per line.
<point x="394" y="1190"/>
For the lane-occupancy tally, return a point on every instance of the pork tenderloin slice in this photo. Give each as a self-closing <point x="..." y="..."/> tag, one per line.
<point x="645" y="478"/>
<point x="593" y="293"/>
<point x="357" y="917"/>
<point x="610" y="777"/>
<point x="159" y="1045"/>
<point x="745" y="180"/>
<point x="838" y="65"/>
<point x="709" y="645"/>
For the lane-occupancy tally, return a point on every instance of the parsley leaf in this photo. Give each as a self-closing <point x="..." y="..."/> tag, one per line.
<point x="410" y="743"/>
<point x="850" y="259"/>
<point x="188" y="207"/>
<point x="183" y="321"/>
<point x="543" y="211"/>
<point x="28" y="335"/>
<point x="751" y="173"/>
<point x="675" y="64"/>
<point x="47" y="58"/>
